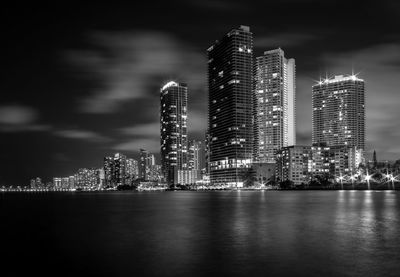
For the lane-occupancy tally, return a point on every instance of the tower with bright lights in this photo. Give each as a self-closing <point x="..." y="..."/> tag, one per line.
<point x="173" y="128"/>
<point x="231" y="107"/>
<point x="339" y="111"/>
<point x="275" y="78"/>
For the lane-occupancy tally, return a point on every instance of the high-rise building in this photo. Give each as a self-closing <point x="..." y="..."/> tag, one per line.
<point x="108" y="172"/>
<point x="146" y="161"/>
<point x="231" y="107"/>
<point x="119" y="173"/>
<point x="173" y="127"/>
<point x="114" y="170"/>
<point x="196" y="158"/>
<point x="275" y="78"/>
<point x="86" y="179"/>
<point x="132" y="170"/>
<point x="339" y="111"/>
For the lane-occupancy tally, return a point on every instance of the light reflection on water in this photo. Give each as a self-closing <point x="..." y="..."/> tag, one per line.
<point x="313" y="233"/>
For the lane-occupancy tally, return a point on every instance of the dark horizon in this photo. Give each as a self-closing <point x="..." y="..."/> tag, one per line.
<point x="82" y="82"/>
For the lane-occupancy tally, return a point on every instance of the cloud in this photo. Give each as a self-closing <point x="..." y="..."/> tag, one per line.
<point x="133" y="66"/>
<point x="142" y="130"/>
<point x="283" y="40"/>
<point x="81" y="135"/>
<point x="151" y="144"/>
<point x="17" y="115"/>
<point x="19" y="118"/>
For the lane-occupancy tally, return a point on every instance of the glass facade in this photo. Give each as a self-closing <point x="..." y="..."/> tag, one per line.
<point x="231" y="107"/>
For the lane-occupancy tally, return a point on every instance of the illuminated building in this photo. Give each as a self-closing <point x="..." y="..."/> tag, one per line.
<point x="155" y="173"/>
<point x="196" y="158"/>
<point x="132" y="170"/>
<point x="57" y="183"/>
<point x="173" y="121"/>
<point x="119" y="169"/>
<point x="300" y="164"/>
<point x="275" y="78"/>
<point x="108" y="172"/>
<point x="114" y="170"/>
<point x="231" y="107"/>
<point x="146" y="161"/>
<point x="86" y="179"/>
<point x="294" y="163"/>
<point x="339" y="111"/>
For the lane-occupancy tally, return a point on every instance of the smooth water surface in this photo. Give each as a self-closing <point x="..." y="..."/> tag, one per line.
<point x="230" y="233"/>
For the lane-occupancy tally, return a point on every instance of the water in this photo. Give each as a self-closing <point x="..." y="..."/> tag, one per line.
<point x="246" y="233"/>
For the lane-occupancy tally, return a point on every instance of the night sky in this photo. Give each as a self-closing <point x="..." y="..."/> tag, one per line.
<point x="81" y="82"/>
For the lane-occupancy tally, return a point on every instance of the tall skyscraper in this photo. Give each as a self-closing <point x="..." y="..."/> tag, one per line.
<point x="146" y="161"/>
<point x="119" y="169"/>
<point x="173" y="127"/>
<point x="275" y="78"/>
<point x="231" y="107"/>
<point x="339" y="112"/>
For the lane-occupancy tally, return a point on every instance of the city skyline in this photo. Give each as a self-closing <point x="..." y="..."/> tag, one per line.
<point x="74" y="104"/>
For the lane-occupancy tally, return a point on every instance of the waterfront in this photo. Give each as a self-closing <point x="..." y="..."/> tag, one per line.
<point x="186" y="233"/>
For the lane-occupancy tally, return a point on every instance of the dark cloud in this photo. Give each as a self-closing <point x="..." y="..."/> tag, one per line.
<point x="88" y="136"/>
<point x="19" y="118"/>
<point x="129" y="65"/>
<point x="284" y="40"/>
<point x="17" y="115"/>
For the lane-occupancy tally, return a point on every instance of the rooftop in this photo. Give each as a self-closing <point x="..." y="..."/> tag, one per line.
<point x="337" y="79"/>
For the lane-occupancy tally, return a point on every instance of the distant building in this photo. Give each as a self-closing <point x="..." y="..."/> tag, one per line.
<point x="339" y="112"/>
<point x="231" y="107"/>
<point x="300" y="164"/>
<point x="147" y="160"/>
<point x="275" y="94"/>
<point x="119" y="173"/>
<point x="132" y="170"/>
<point x="155" y="173"/>
<point x="294" y="163"/>
<point x="108" y="172"/>
<point x="57" y="183"/>
<point x="86" y="179"/>
<point x="173" y="121"/>
<point x="196" y="158"/>
<point x="187" y="177"/>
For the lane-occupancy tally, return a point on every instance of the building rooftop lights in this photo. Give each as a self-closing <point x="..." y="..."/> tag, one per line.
<point x="169" y="84"/>
<point x="338" y="78"/>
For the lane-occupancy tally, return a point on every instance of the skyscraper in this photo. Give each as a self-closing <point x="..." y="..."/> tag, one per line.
<point x="119" y="169"/>
<point x="339" y="112"/>
<point x="275" y="78"/>
<point x="132" y="170"/>
<point x="173" y="127"/>
<point x="231" y="107"/>
<point x="108" y="171"/>
<point x="115" y="170"/>
<point x="146" y="161"/>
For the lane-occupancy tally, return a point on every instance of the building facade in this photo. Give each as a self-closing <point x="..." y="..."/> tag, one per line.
<point x="147" y="160"/>
<point x="173" y="128"/>
<point x="196" y="160"/>
<point x="300" y="164"/>
<point x="275" y="78"/>
<point x="339" y="112"/>
<point x="231" y="107"/>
